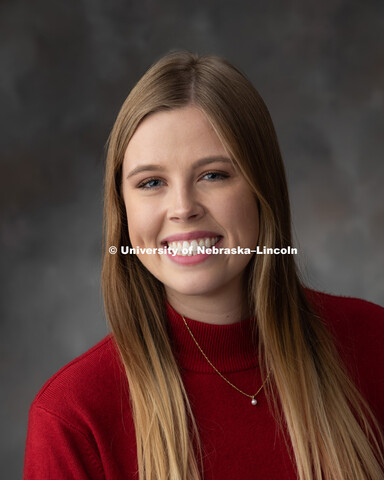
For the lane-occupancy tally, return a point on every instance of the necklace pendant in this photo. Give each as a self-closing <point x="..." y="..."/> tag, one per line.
<point x="254" y="401"/>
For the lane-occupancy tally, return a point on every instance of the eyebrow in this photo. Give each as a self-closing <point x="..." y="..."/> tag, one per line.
<point x="199" y="163"/>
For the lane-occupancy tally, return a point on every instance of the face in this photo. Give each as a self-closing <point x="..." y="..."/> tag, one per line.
<point x="180" y="185"/>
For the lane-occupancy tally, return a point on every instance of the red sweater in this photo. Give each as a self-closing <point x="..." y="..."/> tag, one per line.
<point x="80" y="424"/>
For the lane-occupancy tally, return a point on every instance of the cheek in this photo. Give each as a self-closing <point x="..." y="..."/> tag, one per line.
<point x="142" y="224"/>
<point x="135" y="228"/>
<point x="241" y="211"/>
<point x="135" y="223"/>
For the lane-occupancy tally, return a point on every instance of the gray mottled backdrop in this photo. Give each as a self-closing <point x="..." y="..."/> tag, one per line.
<point x="65" y="69"/>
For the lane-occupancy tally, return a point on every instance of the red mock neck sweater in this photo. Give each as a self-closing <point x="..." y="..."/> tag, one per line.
<point x="80" y="424"/>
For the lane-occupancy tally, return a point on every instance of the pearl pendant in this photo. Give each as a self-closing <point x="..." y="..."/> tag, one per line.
<point x="254" y="401"/>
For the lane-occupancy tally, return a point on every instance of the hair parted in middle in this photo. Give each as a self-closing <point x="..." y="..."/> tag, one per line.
<point x="327" y="420"/>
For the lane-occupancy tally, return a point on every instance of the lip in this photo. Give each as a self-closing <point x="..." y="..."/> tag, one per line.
<point x="190" y="236"/>
<point x="193" y="259"/>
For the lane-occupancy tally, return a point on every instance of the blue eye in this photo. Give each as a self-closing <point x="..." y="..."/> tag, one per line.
<point x="215" y="176"/>
<point x="150" y="184"/>
<point x="155" y="183"/>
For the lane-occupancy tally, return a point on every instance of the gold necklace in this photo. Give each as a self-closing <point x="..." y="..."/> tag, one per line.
<point x="252" y="397"/>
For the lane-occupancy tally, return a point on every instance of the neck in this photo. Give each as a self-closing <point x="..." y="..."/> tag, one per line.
<point x="217" y="309"/>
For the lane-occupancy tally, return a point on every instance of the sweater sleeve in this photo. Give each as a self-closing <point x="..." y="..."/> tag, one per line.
<point x="57" y="450"/>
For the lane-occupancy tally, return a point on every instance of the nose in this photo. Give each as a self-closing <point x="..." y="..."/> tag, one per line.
<point x="184" y="206"/>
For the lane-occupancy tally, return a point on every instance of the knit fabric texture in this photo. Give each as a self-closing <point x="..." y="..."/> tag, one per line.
<point x="80" y="423"/>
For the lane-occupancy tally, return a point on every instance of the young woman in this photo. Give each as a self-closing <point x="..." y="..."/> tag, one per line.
<point x="220" y="365"/>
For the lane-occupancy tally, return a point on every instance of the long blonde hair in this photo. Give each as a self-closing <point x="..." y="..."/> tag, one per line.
<point x="332" y="431"/>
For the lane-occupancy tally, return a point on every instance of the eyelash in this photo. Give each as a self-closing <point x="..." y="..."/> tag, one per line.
<point x="142" y="185"/>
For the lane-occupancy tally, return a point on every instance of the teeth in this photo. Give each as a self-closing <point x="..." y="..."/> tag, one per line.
<point x="191" y="246"/>
<point x="186" y="244"/>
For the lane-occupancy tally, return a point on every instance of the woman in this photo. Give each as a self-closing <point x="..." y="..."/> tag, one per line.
<point x="226" y="366"/>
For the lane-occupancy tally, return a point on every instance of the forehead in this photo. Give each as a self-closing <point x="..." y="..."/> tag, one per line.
<point x="184" y="132"/>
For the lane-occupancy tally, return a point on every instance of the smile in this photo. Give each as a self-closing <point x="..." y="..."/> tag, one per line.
<point x="190" y="248"/>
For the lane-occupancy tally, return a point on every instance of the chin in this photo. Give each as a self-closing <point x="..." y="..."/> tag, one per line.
<point x="195" y="288"/>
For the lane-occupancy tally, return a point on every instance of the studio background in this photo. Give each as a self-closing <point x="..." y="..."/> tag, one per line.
<point x="66" y="68"/>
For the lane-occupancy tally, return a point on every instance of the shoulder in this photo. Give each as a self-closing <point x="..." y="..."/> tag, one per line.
<point x="341" y="303"/>
<point x="354" y="322"/>
<point x="348" y="314"/>
<point x="84" y="385"/>
<point x="357" y="328"/>
<point x="79" y="424"/>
